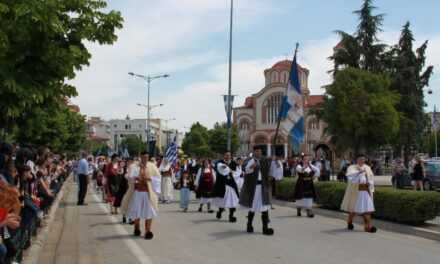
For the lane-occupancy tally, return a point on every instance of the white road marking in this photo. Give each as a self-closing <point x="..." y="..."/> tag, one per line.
<point x="135" y="249"/>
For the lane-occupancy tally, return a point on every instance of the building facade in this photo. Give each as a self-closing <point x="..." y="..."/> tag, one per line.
<point x="257" y="119"/>
<point x="121" y="128"/>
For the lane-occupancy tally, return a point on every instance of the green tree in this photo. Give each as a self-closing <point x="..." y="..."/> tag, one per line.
<point x="42" y="44"/>
<point x="58" y="127"/>
<point x="360" y="110"/>
<point x="196" y="141"/>
<point x="134" y="144"/>
<point x="409" y="79"/>
<point x="361" y="49"/>
<point x="218" y="138"/>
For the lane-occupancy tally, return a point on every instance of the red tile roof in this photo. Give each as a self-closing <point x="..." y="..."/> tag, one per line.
<point x="314" y="100"/>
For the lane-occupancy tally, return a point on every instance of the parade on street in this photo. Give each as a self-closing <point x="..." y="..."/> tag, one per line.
<point x="219" y="132"/>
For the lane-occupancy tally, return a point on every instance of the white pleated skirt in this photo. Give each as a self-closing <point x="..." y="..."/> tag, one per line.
<point x="167" y="189"/>
<point x="204" y="200"/>
<point x="306" y="203"/>
<point x="364" y="203"/>
<point x="257" y="203"/>
<point x="230" y="200"/>
<point x="140" y="207"/>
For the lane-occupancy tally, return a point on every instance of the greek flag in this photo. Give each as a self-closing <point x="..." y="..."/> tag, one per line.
<point x="291" y="113"/>
<point x="171" y="153"/>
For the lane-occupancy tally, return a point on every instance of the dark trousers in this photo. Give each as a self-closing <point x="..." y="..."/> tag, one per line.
<point x="83" y="182"/>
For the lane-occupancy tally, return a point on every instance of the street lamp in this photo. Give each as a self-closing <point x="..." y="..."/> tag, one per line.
<point x="149" y="79"/>
<point x="229" y="103"/>
<point x="168" y="132"/>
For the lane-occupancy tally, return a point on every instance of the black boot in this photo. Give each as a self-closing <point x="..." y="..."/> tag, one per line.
<point x="250" y="228"/>
<point x="209" y="209"/>
<point x="298" y="212"/>
<point x="232" y="218"/>
<point x="200" y="208"/>
<point x="124" y="219"/>
<point x="266" y="230"/>
<point x="310" y="213"/>
<point x="219" y="213"/>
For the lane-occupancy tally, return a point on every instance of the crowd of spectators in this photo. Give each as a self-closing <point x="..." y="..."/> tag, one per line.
<point x="30" y="178"/>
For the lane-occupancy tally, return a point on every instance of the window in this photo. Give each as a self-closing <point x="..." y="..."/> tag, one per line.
<point x="285" y="77"/>
<point x="126" y="127"/>
<point x="244" y="125"/>
<point x="275" y="77"/>
<point x="313" y="124"/>
<point x="271" y="108"/>
<point x="115" y="126"/>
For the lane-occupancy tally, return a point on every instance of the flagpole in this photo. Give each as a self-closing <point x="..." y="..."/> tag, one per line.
<point x="435" y="131"/>
<point x="229" y="103"/>
<point x="279" y="117"/>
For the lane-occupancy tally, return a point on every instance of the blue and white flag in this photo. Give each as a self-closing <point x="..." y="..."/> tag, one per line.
<point x="171" y="153"/>
<point x="291" y="113"/>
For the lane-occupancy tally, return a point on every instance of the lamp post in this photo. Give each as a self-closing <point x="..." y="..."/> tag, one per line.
<point x="229" y="103"/>
<point x="149" y="79"/>
<point x="168" y="132"/>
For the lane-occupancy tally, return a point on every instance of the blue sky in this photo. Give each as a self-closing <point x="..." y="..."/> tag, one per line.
<point x="189" y="40"/>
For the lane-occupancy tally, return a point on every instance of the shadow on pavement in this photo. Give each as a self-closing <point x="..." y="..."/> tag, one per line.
<point x="206" y="221"/>
<point x="228" y="234"/>
<point x="105" y="224"/>
<point x="340" y="231"/>
<point x="115" y="237"/>
<point x="95" y="214"/>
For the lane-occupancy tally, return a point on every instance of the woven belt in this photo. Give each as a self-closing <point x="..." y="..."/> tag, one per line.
<point x="364" y="187"/>
<point x="140" y="188"/>
<point x="307" y="178"/>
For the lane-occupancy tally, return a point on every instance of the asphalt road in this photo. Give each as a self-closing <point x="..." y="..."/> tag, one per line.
<point x="90" y="235"/>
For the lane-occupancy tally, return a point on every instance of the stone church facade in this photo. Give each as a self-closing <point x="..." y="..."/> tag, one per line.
<point x="256" y="120"/>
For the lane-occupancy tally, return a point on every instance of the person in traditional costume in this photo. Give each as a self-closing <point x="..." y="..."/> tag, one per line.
<point x="204" y="185"/>
<point x="358" y="198"/>
<point x="112" y="176"/>
<point x="185" y="191"/>
<point x="239" y="174"/>
<point x="276" y="174"/>
<point x="225" y="188"/>
<point x="167" y="172"/>
<point x="144" y="202"/>
<point x="132" y="168"/>
<point x="255" y="192"/>
<point x="305" y="189"/>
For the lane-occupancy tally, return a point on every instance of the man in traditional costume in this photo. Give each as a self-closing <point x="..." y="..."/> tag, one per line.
<point x="204" y="184"/>
<point x="225" y="188"/>
<point x="255" y="193"/>
<point x="167" y="172"/>
<point x="358" y="198"/>
<point x="305" y="189"/>
<point x="144" y="202"/>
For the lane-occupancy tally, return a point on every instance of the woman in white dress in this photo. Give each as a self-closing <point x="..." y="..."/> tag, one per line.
<point x="133" y="169"/>
<point x="167" y="173"/>
<point x="358" y="198"/>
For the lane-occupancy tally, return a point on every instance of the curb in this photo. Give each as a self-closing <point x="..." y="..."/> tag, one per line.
<point x="33" y="254"/>
<point x="380" y="224"/>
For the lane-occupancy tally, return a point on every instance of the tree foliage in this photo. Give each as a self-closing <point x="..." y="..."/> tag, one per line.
<point x="203" y="142"/>
<point x="360" y="110"/>
<point x="134" y="144"/>
<point x="58" y="128"/>
<point x="410" y="77"/>
<point x="42" y="44"/>
<point x="362" y="49"/>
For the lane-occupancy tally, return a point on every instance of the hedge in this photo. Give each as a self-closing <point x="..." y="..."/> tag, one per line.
<point x="402" y="206"/>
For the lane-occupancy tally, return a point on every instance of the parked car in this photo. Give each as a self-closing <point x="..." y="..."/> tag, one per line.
<point x="431" y="181"/>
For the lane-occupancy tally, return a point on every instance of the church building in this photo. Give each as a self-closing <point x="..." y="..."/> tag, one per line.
<point x="256" y="120"/>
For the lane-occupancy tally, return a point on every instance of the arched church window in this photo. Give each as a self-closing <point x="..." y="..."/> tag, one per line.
<point x="271" y="108"/>
<point x="275" y="77"/>
<point x="285" y="77"/>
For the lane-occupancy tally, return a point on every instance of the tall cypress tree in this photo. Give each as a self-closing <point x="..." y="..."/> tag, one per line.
<point x="409" y="79"/>
<point x="362" y="49"/>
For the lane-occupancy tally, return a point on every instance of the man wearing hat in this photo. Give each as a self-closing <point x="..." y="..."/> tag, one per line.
<point x="255" y="193"/>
